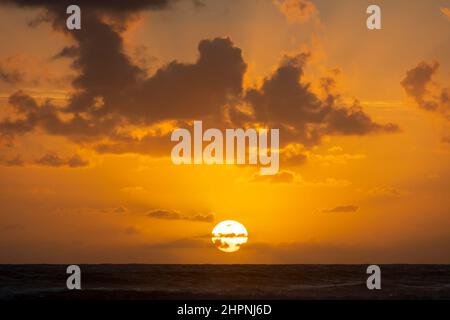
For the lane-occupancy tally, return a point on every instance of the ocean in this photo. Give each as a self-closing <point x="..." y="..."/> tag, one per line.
<point x="160" y="282"/>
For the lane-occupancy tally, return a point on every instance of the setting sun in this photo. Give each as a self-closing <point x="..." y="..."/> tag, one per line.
<point x="229" y="236"/>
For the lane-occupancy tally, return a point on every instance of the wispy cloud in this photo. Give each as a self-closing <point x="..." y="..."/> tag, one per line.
<point x="343" y="208"/>
<point x="54" y="160"/>
<point x="175" y="215"/>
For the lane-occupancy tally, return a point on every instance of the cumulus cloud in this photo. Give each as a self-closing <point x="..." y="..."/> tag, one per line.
<point x="341" y="209"/>
<point x="175" y="215"/>
<point x="111" y="92"/>
<point x="285" y="101"/>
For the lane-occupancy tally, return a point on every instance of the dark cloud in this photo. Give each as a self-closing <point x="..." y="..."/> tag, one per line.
<point x="221" y="244"/>
<point x="67" y="52"/>
<point x="30" y="115"/>
<point x="192" y="91"/>
<point x="229" y="235"/>
<point x="156" y="145"/>
<point x="420" y="85"/>
<point x="418" y="78"/>
<point x="175" y="215"/>
<point x="110" y="5"/>
<point x="285" y="101"/>
<point x="339" y="209"/>
<point x="110" y="91"/>
<point x="165" y="214"/>
<point x="76" y="161"/>
<point x="54" y="160"/>
<point x="209" y="217"/>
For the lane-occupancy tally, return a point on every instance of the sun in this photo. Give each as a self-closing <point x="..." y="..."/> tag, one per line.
<point x="229" y="235"/>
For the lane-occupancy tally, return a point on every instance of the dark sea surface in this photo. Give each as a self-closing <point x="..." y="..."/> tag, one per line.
<point x="111" y="281"/>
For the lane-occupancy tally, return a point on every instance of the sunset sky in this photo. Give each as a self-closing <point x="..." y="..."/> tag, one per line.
<point x="86" y="118"/>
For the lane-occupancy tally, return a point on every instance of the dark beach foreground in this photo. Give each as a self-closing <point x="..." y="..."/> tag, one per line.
<point x="130" y="282"/>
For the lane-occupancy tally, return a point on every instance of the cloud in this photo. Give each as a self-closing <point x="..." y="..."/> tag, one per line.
<point x="52" y="159"/>
<point x="201" y="88"/>
<point x="385" y="191"/>
<point x="110" y="92"/>
<point x="328" y="182"/>
<point x="209" y="217"/>
<point x="229" y="235"/>
<point x="9" y="75"/>
<point x="176" y="91"/>
<point x="297" y="11"/>
<point x="121" y="209"/>
<point x="417" y="80"/>
<point x="285" y="101"/>
<point x="293" y="155"/>
<point x="339" y="209"/>
<point x="175" y="215"/>
<point x="335" y="158"/>
<point x="419" y="84"/>
<point x="280" y="177"/>
<point x="290" y="177"/>
<point x="15" y="161"/>
<point x="108" y="6"/>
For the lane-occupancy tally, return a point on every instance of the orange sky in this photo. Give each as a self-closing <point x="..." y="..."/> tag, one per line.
<point x="356" y="185"/>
